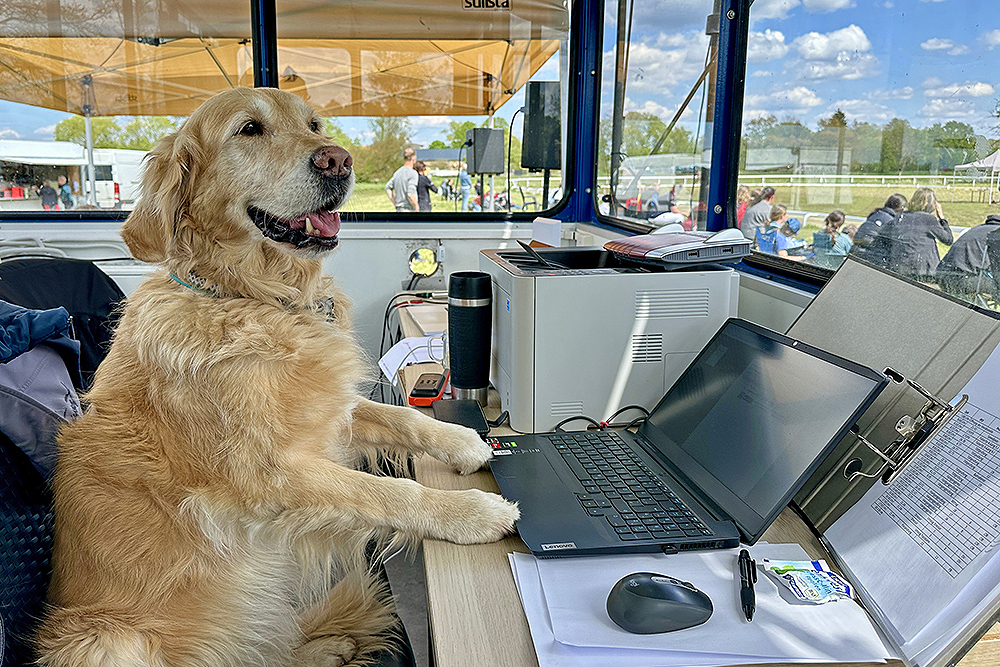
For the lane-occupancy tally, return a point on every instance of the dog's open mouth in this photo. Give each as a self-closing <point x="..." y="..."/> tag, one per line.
<point x="316" y="230"/>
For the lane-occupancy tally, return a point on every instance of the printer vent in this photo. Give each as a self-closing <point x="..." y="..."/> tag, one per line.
<point x="647" y="348"/>
<point x="566" y="409"/>
<point x="669" y="303"/>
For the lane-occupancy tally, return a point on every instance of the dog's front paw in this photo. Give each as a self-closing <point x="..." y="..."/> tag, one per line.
<point x="480" y="517"/>
<point x="326" y="652"/>
<point x="462" y="449"/>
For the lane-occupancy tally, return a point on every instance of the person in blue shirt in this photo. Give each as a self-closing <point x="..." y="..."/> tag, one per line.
<point x="465" y="185"/>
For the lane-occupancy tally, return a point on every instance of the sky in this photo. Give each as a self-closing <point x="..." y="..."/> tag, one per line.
<point x="926" y="61"/>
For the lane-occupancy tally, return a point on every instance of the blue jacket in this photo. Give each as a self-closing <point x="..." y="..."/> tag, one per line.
<point x="37" y="358"/>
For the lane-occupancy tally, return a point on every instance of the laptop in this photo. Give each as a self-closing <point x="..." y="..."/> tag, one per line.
<point x="719" y="457"/>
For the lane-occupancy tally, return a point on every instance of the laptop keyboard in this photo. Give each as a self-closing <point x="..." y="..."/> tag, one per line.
<point x="621" y="488"/>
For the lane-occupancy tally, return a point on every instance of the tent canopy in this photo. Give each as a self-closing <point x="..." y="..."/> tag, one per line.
<point x="989" y="163"/>
<point x="361" y="58"/>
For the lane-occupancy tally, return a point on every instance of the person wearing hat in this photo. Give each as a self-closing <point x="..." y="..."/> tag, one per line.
<point x="787" y="229"/>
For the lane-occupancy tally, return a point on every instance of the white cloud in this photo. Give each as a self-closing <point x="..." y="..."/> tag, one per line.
<point x="864" y="110"/>
<point x="655" y="70"/>
<point x="847" y="66"/>
<point x="826" y="6"/>
<point x="773" y="9"/>
<point x="959" y="50"/>
<point x="767" y="45"/>
<point x="47" y="130"/>
<point x="762" y="72"/>
<point x="936" y="44"/>
<point x="932" y="81"/>
<point x="797" y="100"/>
<point x="992" y="38"/>
<point x="420" y="122"/>
<point x="967" y="89"/>
<point x="950" y="109"/>
<point x="9" y="133"/>
<point x="904" y="93"/>
<point x="829" y="46"/>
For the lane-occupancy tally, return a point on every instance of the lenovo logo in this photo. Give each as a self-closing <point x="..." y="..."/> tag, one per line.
<point x="559" y="545"/>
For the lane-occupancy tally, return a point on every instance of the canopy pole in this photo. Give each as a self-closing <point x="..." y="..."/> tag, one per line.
<point x="87" y="84"/>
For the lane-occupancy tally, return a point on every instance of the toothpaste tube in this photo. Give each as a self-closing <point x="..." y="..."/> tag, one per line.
<point x="809" y="580"/>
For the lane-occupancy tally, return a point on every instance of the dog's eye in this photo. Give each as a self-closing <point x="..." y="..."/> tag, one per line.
<point x="251" y="128"/>
<point x="314" y="126"/>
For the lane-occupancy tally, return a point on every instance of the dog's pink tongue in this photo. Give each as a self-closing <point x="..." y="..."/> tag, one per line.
<point x="324" y="223"/>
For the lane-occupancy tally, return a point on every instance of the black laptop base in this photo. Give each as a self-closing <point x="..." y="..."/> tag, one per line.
<point x="617" y="505"/>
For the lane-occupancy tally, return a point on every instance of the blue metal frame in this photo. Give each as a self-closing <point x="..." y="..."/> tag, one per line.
<point x="587" y="27"/>
<point x="264" y="33"/>
<point x="734" y="26"/>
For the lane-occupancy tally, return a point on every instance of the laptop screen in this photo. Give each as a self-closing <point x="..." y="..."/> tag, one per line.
<point x="754" y="415"/>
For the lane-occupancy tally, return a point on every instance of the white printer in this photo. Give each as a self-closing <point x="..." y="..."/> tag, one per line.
<point x="581" y="331"/>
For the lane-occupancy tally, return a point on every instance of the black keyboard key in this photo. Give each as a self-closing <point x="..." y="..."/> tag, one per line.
<point x="596" y="511"/>
<point x="620" y="504"/>
<point x="615" y="520"/>
<point x="623" y="530"/>
<point x="576" y="467"/>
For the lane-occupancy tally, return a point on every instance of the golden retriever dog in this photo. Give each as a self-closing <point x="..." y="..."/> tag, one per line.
<point x="209" y="510"/>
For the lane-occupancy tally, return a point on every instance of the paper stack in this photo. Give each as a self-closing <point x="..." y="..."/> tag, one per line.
<point x="564" y="601"/>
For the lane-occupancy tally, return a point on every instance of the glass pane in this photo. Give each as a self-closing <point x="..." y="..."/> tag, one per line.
<point x="127" y="70"/>
<point x="450" y="72"/>
<point x="657" y="99"/>
<point x="876" y="127"/>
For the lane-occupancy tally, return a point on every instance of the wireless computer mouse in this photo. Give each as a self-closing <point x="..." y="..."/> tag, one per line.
<point x="646" y="603"/>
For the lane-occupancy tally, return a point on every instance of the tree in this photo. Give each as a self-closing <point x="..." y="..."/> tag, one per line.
<point x="104" y="131"/>
<point x="378" y="160"/>
<point x="335" y="132"/>
<point x="454" y="136"/>
<point x="438" y="144"/>
<point x="144" y="131"/>
<point x="140" y="134"/>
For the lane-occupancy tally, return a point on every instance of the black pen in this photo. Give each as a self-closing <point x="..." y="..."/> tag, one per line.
<point x="748" y="576"/>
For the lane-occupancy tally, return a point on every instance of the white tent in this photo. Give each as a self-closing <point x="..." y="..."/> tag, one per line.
<point x="989" y="165"/>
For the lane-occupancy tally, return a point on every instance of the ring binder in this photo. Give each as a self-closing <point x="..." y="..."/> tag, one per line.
<point x="913" y="433"/>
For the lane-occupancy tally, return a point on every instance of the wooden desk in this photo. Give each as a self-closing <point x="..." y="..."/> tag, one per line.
<point x="474" y="612"/>
<point x="473" y="609"/>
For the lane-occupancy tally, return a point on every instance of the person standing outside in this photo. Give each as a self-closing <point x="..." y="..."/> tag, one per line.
<point x="424" y="187"/>
<point x="758" y="214"/>
<point x="402" y="187"/>
<point x="912" y="237"/>
<point x="465" y="185"/>
<point x="50" y="200"/>
<point x="65" y="193"/>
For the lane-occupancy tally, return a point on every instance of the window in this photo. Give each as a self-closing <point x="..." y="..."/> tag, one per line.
<point x="389" y="77"/>
<point x="859" y="121"/>
<point x="126" y="73"/>
<point x="657" y="101"/>
<point x="435" y="76"/>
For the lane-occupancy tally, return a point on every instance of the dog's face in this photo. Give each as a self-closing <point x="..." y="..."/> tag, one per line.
<point x="248" y="166"/>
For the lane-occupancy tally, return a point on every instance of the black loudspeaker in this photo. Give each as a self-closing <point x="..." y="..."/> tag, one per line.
<point x="541" y="142"/>
<point x="486" y="150"/>
<point x="470" y="321"/>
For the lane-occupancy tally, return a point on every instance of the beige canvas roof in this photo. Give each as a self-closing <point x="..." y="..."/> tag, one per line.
<point x="362" y="58"/>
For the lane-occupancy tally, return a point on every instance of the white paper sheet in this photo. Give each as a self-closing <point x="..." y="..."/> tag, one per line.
<point x="940" y="521"/>
<point x="412" y="350"/>
<point x="576" y="591"/>
<point x="551" y="653"/>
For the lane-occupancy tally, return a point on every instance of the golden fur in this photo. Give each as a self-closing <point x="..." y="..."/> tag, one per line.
<point x="208" y="513"/>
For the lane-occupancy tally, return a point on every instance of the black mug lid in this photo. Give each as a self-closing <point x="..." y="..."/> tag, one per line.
<point x="470" y="285"/>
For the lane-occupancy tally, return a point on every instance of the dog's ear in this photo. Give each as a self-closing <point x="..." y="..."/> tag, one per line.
<point x="163" y="197"/>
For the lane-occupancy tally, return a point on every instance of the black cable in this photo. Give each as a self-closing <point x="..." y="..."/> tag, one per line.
<point x="571" y="419"/>
<point x="460" y="149"/>
<point x="637" y="420"/>
<point x="499" y="421"/>
<point x="510" y="139"/>
<point x="626" y="408"/>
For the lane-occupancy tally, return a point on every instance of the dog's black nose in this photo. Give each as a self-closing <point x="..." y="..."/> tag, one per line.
<point x="332" y="161"/>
